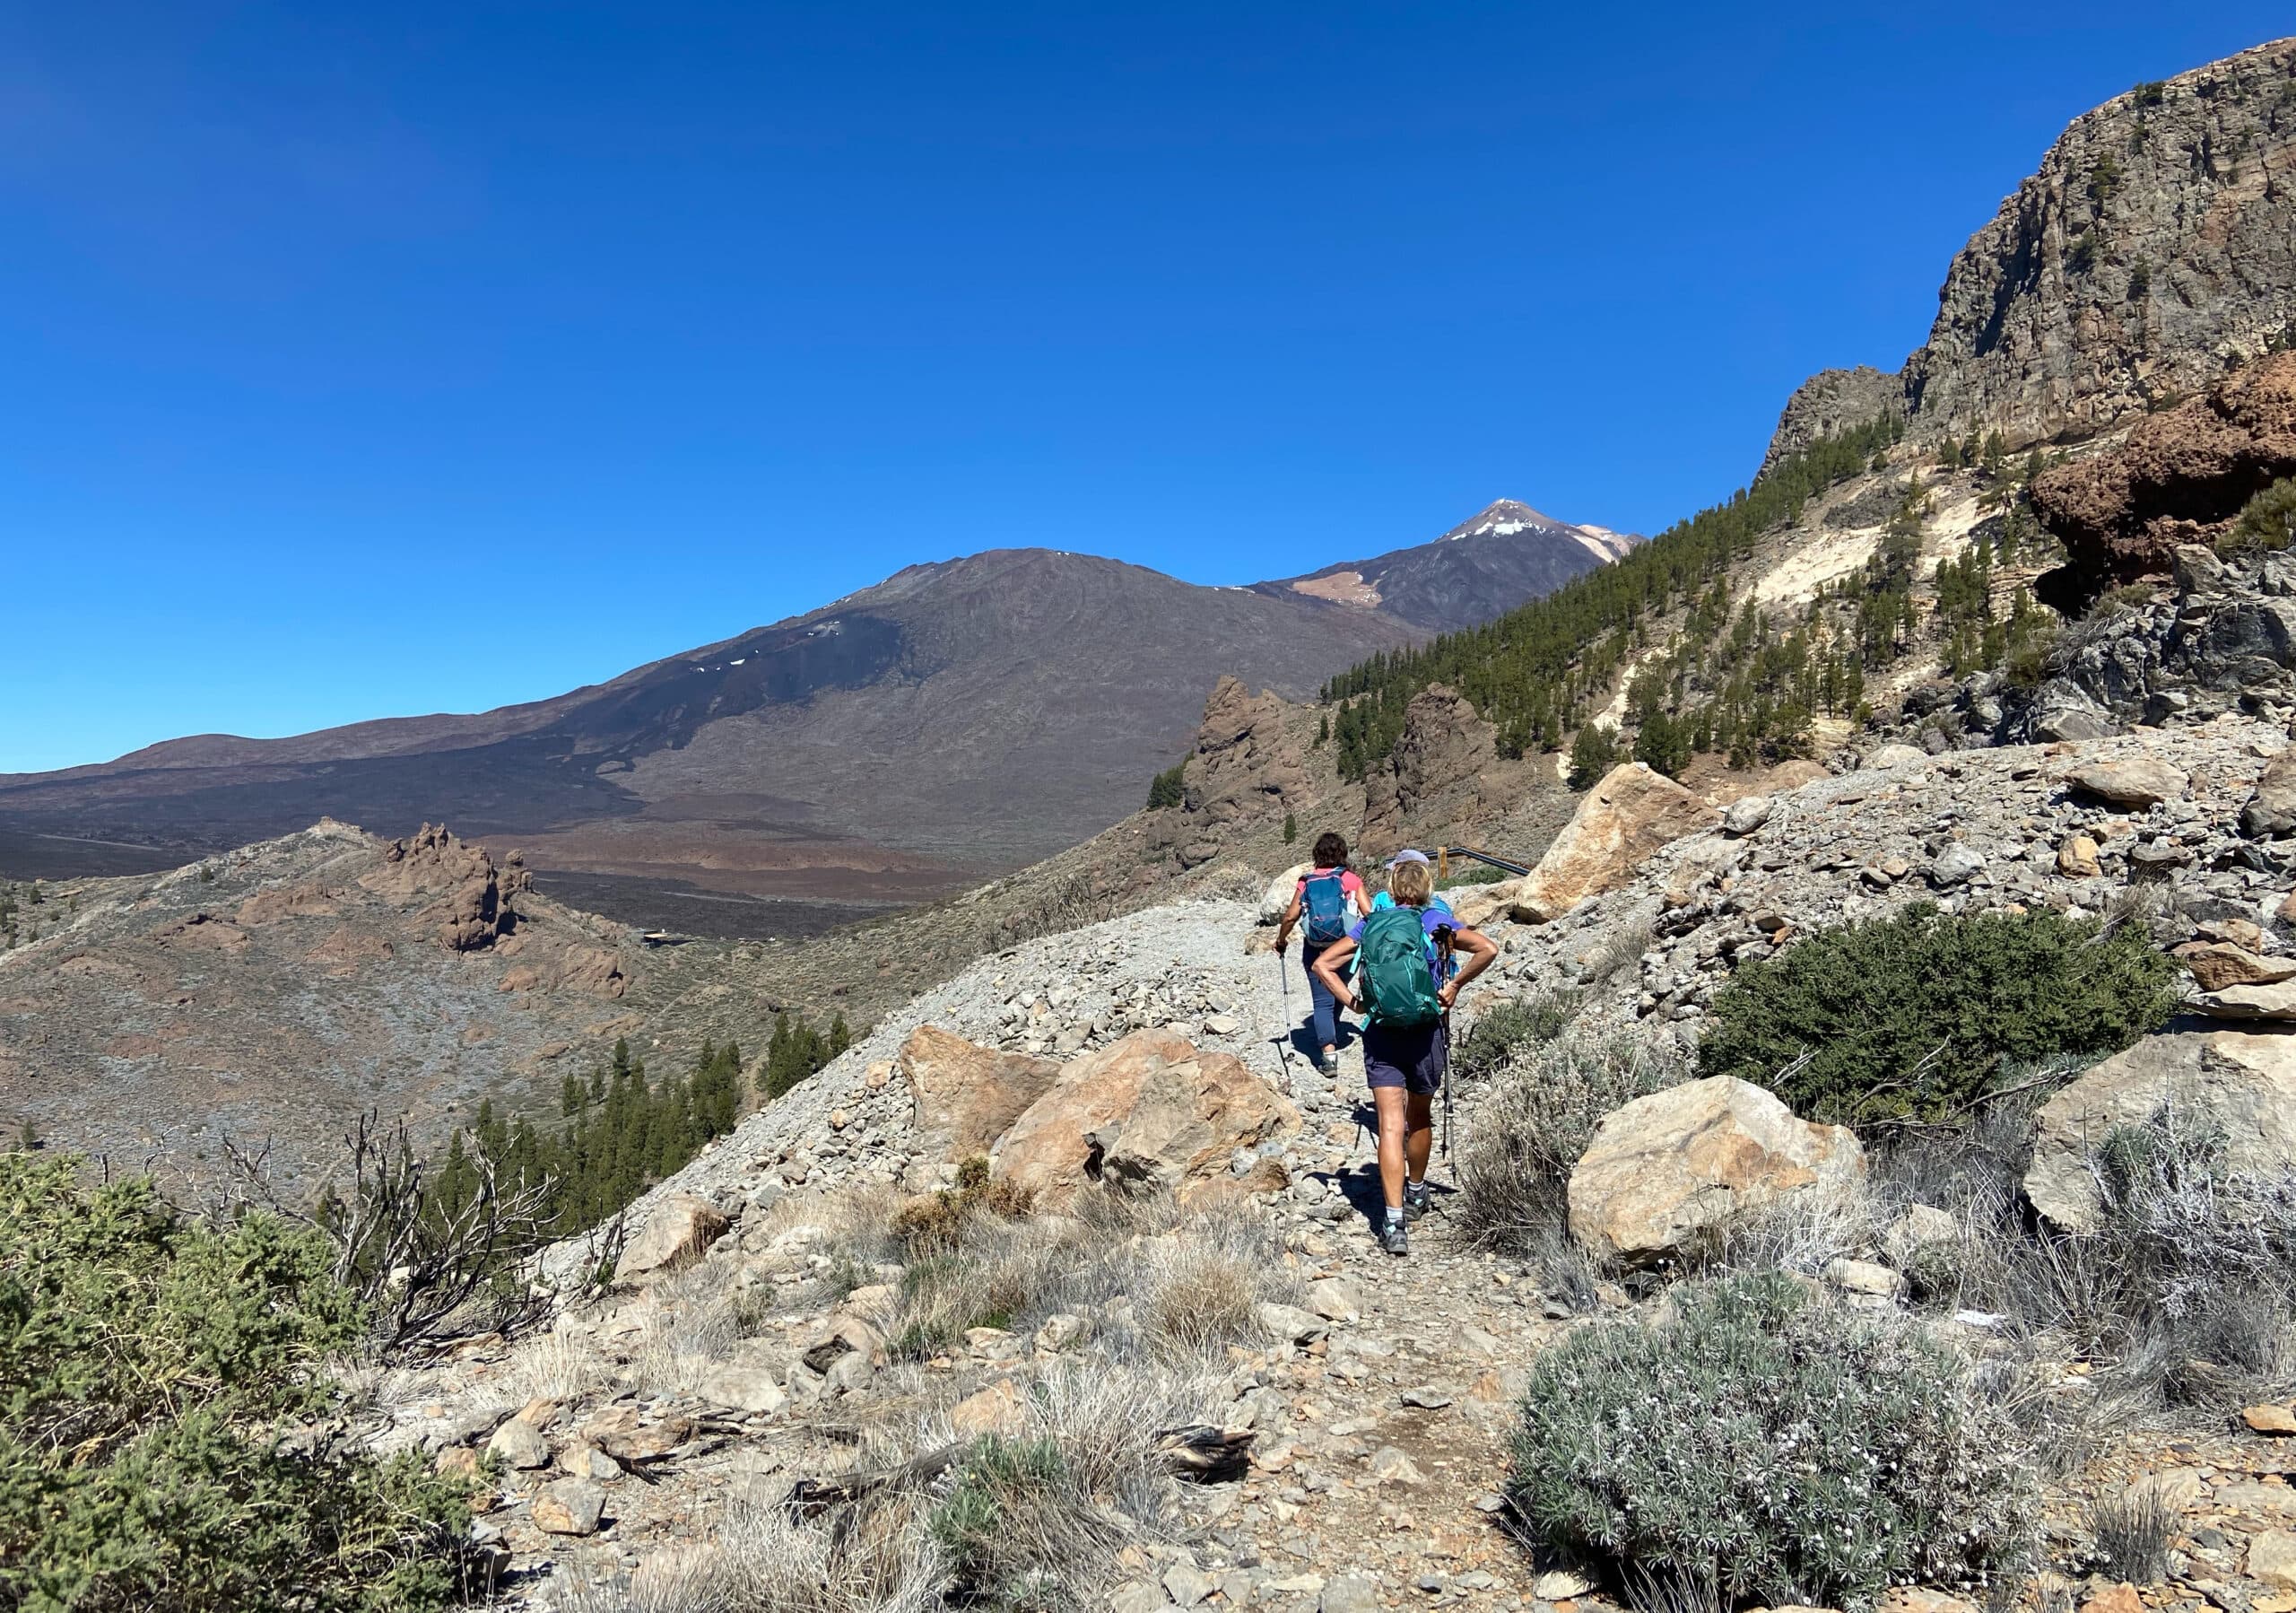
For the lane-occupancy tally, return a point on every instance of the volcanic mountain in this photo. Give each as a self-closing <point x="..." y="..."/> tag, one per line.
<point x="1488" y="563"/>
<point x="957" y="719"/>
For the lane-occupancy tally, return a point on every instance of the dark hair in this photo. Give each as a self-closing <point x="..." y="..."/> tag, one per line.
<point x="1331" y="851"/>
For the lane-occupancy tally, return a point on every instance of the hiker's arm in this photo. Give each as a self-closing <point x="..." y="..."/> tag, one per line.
<point x="1327" y="966"/>
<point x="1290" y="917"/>
<point x="1481" y="954"/>
<point x="1363" y="899"/>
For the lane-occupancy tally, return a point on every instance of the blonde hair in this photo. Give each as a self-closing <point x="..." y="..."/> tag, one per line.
<point x="1411" y="883"/>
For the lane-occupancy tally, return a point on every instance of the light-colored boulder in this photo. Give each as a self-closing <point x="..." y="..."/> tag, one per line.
<point x="1921" y="1226"/>
<point x="1334" y="1299"/>
<point x="1668" y="1170"/>
<point x="1280" y="892"/>
<point x="1476" y="905"/>
<point x="677" y="1231"/>
<point x="571" y="1506"/>
<point x="2218" y="965"/>
<point x="2271" y="1558"/>
<point x="2076" y="859"/>
<point x="519" y="1444"/>
<point x="1746" y="815"/>
<point x="2239" y="1084"/>
<point x="1633" y="812"/>
<point x="2132" y="782"/>
<point x="964" y="1097"/>
<point x="743" y="1388"/>
<point x="1152" y="1110"/>
<point x="2273" y="1002"/>
<point x="1894" y="755"/>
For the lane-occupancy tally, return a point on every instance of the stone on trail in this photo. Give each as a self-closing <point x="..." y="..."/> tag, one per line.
<point x="1746" y="815"/>
<point x="1426" y="1397"/>
<point x="2218" y="965"/>
<point x="1631" y="815"/>
<point x="1894" y="755"/>
<point x="2271" y="1558"/>
<point x="678" y="1231"/>
<point x="2271" y="809"/>
<point x="743" y="1388"/>
<point x="965" y="1096"/>
<point x="2240" y="1085"/>
<point x="1561" y="1585"/>
<point x="571" y="1506"/>
<point x="1150" y="1111"/>
<point x="2276" y="1000"/>
<point x="2270" y="1420"/>
<point x="1668" y="1170"/>
<point x="2076" y="859"/>
<point x="1137" y="1598"/>
<point x="1188" y="1585"/>
<point x="520" y="1445"/>
<point x="1291" y="1323"/>
<point x="1350" y="1593"/>
<point x="1334" y="1299"/>
<point x="2137" y="783"/>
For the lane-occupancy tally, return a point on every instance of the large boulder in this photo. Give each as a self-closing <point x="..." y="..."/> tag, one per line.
<point x="1632" y="814"/>
<point x="2272" y="808"/>
<point x="1280" y="892"/>
<point x="2135" y="782"/>
<point x="965" y="1096"/>
<point x="2240" y="1085"/>
<point x="1152" y="1110"/>
<point x="1668" y="1171"/>
<point x="678" y="1230"/>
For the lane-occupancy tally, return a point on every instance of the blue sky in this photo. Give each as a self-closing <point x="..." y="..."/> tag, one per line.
<point x="370" y="360"/>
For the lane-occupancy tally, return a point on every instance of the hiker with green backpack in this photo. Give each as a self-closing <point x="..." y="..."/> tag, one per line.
<point x="1401" y="955"/>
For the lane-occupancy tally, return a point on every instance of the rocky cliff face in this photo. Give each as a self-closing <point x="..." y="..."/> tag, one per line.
<point x="2154" y="249"/>
<point x="1445" y="748"/>
<point x="1831" y="401"/>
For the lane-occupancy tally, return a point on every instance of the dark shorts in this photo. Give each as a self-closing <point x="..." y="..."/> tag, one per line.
<point x="1411" y="1056"/>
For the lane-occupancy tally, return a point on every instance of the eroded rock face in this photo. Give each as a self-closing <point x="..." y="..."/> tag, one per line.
<point x="2271" y="811"/>
<point x="1829" y="402"/>
<point x="2155" y="247"/>
<point x="2240" y="1085"/>
<point x="967" y="1097"/>
<point x="1151" y="1110"/>
<point x="1446" y="747"/>
<point x="2179" y="478"/>
<point x="1624" y="819"/>
<point x="1242" y="768"/>
<point x="470" y="899"/>
<point x="1668" y="1171"/>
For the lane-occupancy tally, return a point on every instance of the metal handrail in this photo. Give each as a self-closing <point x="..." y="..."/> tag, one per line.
<point x="1443" y="855"/>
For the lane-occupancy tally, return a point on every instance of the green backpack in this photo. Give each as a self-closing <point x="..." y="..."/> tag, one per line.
<point x="1392" y="972"/>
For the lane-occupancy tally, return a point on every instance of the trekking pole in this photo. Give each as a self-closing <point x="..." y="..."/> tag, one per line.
<point x="1283" y="982"/>
<point x="1443" y="973"/>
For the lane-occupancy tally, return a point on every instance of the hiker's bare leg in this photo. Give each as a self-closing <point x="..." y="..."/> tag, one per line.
<point x="1390" y="1101"/>
<point x="1419" y="1116"/>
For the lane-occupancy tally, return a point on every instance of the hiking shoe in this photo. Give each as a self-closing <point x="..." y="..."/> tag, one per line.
<point x="1417" y="1201"/>
<point x="1328" y="1064"/>
<point x="1394" y="1239"/>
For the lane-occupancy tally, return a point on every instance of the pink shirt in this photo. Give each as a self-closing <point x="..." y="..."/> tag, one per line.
<point x="1349" y="885"/>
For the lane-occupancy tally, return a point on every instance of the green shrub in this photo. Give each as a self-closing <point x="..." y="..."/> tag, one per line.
<point x="1910" y="1016"/>
<point x="2266" y="521"/>
<point x="1765" y="1444"/>
<point x="1536" y="1121"/>
<point x="983" y="1528"/>
<point x="148" y="1365"/>
<point x="1507" y="1029"/>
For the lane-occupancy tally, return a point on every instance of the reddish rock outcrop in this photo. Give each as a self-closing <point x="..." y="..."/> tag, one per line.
<point x="469" y="898"/>
<point x="2180" y="477"/>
